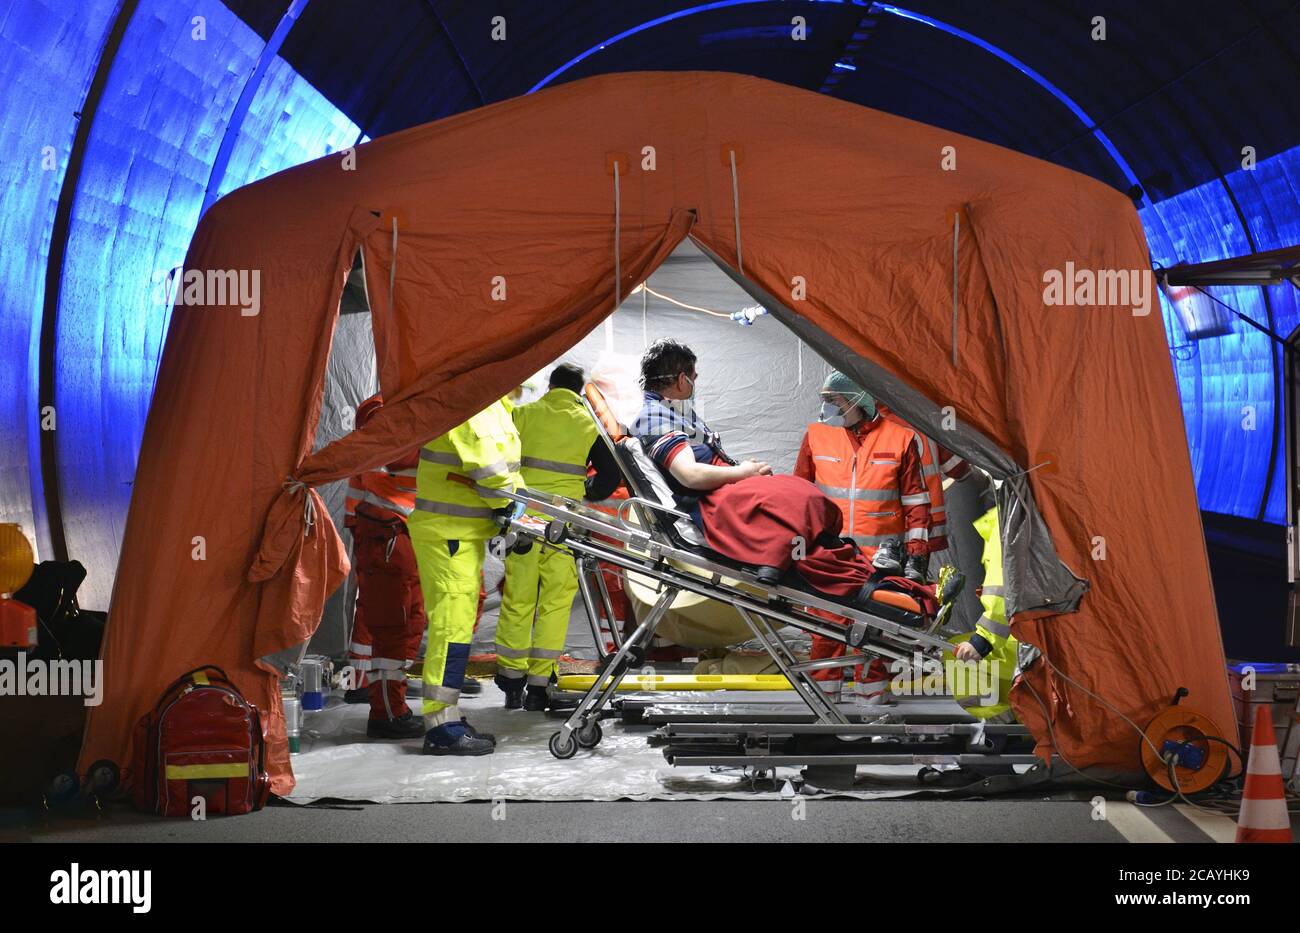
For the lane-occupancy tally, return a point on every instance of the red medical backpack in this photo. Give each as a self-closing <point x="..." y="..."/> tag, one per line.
<point x="202" y="739"/>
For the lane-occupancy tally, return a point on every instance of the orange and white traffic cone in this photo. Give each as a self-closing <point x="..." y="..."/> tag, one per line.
<point x="1263" y="816"/>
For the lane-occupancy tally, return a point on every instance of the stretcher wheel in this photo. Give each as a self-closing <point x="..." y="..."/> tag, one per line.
<point x="523" y="545"/>
<point x="589" y="736"/>
<point x="928" y="775"/>
<point x="562" y="749"/>
<point x="556" y="531"/>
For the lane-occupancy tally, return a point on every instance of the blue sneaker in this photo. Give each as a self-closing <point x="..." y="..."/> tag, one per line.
<point x="453" y="738"/>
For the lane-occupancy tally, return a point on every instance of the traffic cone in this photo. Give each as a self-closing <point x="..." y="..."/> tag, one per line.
<point x="1263" y="816"/>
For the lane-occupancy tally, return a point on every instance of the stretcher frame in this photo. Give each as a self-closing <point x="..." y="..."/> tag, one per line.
<point x="648" y="549"/>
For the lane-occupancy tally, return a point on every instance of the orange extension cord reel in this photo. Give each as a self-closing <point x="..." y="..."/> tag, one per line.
<point x="1191" y="738"/>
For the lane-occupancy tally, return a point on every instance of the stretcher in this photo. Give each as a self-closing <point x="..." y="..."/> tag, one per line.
<point x="658" y="541"/>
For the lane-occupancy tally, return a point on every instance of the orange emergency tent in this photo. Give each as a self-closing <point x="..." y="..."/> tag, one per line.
<point x="491" y="246"/>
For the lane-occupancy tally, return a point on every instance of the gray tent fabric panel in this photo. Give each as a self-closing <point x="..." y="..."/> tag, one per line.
<point x="1035" y="578"/>
<point x="1033" y="575"/>
<point x="351" y="377"/>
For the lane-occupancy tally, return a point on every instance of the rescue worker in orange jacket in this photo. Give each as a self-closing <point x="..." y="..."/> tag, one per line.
<point x="937" y="464"/>
<point x="870" y="465"/>
<point x="389" y="617"/>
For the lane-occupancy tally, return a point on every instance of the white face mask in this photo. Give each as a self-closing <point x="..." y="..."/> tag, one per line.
<point x="832" y="415"/>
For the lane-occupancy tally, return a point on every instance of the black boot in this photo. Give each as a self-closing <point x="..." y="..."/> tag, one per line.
<point x="917" y="567"/>
<point x="485" y="736"/>
<point x="470" y="687"/>
<point x="889" y="557"/>
<point x="405" y="726"/>
<point x="454" y="739"/>
<point x="535" y="700"/>
<point x="513" y="688"/>
<point x="538" y="699"/>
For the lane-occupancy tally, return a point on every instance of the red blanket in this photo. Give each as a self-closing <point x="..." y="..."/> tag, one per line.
<point x="761" y="520"/>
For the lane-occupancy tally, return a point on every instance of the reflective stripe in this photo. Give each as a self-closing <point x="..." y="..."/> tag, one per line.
<point x="916" y="534"/>
<point x="390" y="673"/>
<point x="937" y="530"/>
<point x="874" y="495"/>
<point x="872" y="540"/>
<point x="997" y="628"/>
<point x="539" y="680"/>
<point x="929" y="469"/>
<point x="992" y="591"/>
<point x="951" y="462"/>
<point x="510" y="673"/>
<point x="387" y="664"/>
<point x="504" y="652"/>
<point x="365" y="495"/>
<point x="439" y="456"/>
<point x="201" y="772"/>
<point x="441" y="694"/>
<point x="450" y="508"/>
<point x="500" y="468"/>
<point x="357" y="648"/>
<point x="918" y="499"/>
<point x="545" y="654"/>
<point x="556" y="466"/>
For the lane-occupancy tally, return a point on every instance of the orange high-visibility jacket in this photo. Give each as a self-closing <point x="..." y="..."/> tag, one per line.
<point x="386" y="494"/>
<point x="937" y="463"/>
<point x="873" y="473"/>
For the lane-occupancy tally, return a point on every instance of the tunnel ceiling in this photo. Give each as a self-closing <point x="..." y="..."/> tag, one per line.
<point x="1180" y="86"/>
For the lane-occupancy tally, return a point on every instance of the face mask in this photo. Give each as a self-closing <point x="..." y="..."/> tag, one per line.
<point x="834" y="416"/>
<point x="831" y="414"/>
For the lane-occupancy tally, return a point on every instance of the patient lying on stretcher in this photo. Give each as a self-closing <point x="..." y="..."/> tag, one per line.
<point x="782" y="524"/>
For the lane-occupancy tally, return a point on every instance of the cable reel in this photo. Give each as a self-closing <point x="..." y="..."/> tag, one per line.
<point x="1190" y="745"/>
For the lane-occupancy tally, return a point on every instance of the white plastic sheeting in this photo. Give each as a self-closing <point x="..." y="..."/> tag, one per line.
<point x="337" y="761"/>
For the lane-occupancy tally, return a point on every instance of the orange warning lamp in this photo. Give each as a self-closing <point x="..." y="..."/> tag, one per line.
<point x="17" y="620"/>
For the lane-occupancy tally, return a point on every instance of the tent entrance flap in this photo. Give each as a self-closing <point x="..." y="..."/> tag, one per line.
<point x="1036" y="580"/>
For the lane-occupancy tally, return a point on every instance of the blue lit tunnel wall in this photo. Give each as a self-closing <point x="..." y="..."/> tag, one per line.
<point x="164" y="111"/>
<point x="47" y="58"/>
<point x="1231" y="385"/>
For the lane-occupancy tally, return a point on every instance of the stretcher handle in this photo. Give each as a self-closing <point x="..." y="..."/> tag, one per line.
<point x="648" y="504"/>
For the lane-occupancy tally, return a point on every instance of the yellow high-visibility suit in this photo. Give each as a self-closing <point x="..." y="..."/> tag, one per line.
<point x="450" y="527"/>
<point x="997" y="668"/>
<point x="556" y="433"/>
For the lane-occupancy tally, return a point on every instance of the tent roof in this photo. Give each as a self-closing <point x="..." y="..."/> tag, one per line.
<point x="1176" y="83"/>
<point x="846" y="219"/>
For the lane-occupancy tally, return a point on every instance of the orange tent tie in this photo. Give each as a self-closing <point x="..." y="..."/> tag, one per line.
<point x="618" y="223"/>
<point x="735" y="210"/>
<point x="956" y="231"/>
<point x="308" y="504"/>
